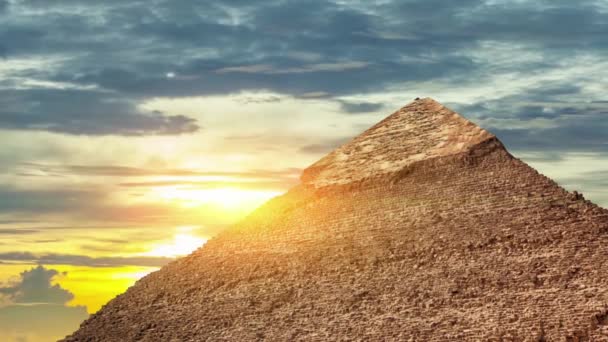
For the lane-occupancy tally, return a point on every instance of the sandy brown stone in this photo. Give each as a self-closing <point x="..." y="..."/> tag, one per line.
<point x="422" y="130"/>
<point x="424" y="228"/>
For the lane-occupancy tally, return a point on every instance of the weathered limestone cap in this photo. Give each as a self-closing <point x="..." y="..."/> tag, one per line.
<point x="424" y="129"/>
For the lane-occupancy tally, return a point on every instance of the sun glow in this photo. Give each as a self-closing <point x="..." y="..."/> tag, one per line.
<point x="182" y="244"/>
<point x="227" y="198"/>
<point x="224" y="203"/>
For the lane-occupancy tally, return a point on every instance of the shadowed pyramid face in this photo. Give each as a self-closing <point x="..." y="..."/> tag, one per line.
<point x="423" y="228"/>
<point x="422" y="130"/>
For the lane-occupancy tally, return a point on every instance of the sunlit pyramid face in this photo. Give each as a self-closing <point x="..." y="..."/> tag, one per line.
<point x="422" y="228"/>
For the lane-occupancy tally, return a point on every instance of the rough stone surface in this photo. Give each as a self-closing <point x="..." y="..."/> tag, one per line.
<point x="422" y="130"/>
<point x="422" y="229"/>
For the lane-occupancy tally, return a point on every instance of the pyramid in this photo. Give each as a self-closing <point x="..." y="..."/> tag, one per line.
<point x="423" y="228"/>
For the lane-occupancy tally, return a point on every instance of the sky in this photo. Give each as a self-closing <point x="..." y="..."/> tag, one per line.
<point x="131" y="132"/>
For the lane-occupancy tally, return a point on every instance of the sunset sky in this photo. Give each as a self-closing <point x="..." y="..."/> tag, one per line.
<point x="133" y="131"/>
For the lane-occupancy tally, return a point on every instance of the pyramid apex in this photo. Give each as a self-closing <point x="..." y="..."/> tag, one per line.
<point x="430" y="104"/>
<point x="423" y="129"/>
<point x="426" y="99"/>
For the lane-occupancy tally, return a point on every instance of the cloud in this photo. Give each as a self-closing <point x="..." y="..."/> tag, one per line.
<point x="597" y="180"/>
<point x="92" y="205"/>
<point x="129" y="171"/>
<point x="85" y="112"/>
<point x="35" y="287"/>
<point x="98" y="208"/>
<point x="330" y="48"/>
<point x="360" y="107"/>
<point x="17" y="231"/>
<point x="550" y="117"/>
<point x="322" y="67"/>
<point x="248" y="185"/>
<point x="259" y="68"/>
<point x="186" y="39"/>
<point x="34" y="309"/>
<point x="83" y="260"/>
<point x="44" y="201"/>
<point x="260" y="99"/>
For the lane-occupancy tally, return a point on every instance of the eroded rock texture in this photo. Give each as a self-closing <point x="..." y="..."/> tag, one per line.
<point x="424" y="228"/>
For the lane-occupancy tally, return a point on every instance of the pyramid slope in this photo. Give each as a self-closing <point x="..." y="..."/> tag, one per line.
<point x="469" y="246"/>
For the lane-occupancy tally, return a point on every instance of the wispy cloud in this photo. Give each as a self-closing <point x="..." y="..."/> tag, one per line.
<point x="352" y="107"/>
<point x="129" y="171"/>
<point x="321" y="67"/>
<point x="82" y="260"/>
<point x="242" y="185"/>
<point x="17" y="231"/>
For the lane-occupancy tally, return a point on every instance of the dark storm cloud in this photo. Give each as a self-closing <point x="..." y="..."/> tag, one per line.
<point x="83" y="260"/>
<point x="127" y="52"/>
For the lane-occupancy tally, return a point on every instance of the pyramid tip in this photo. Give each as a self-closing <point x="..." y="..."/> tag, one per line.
<point x="423" y="129"/>
<point x="425" y="100"/>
